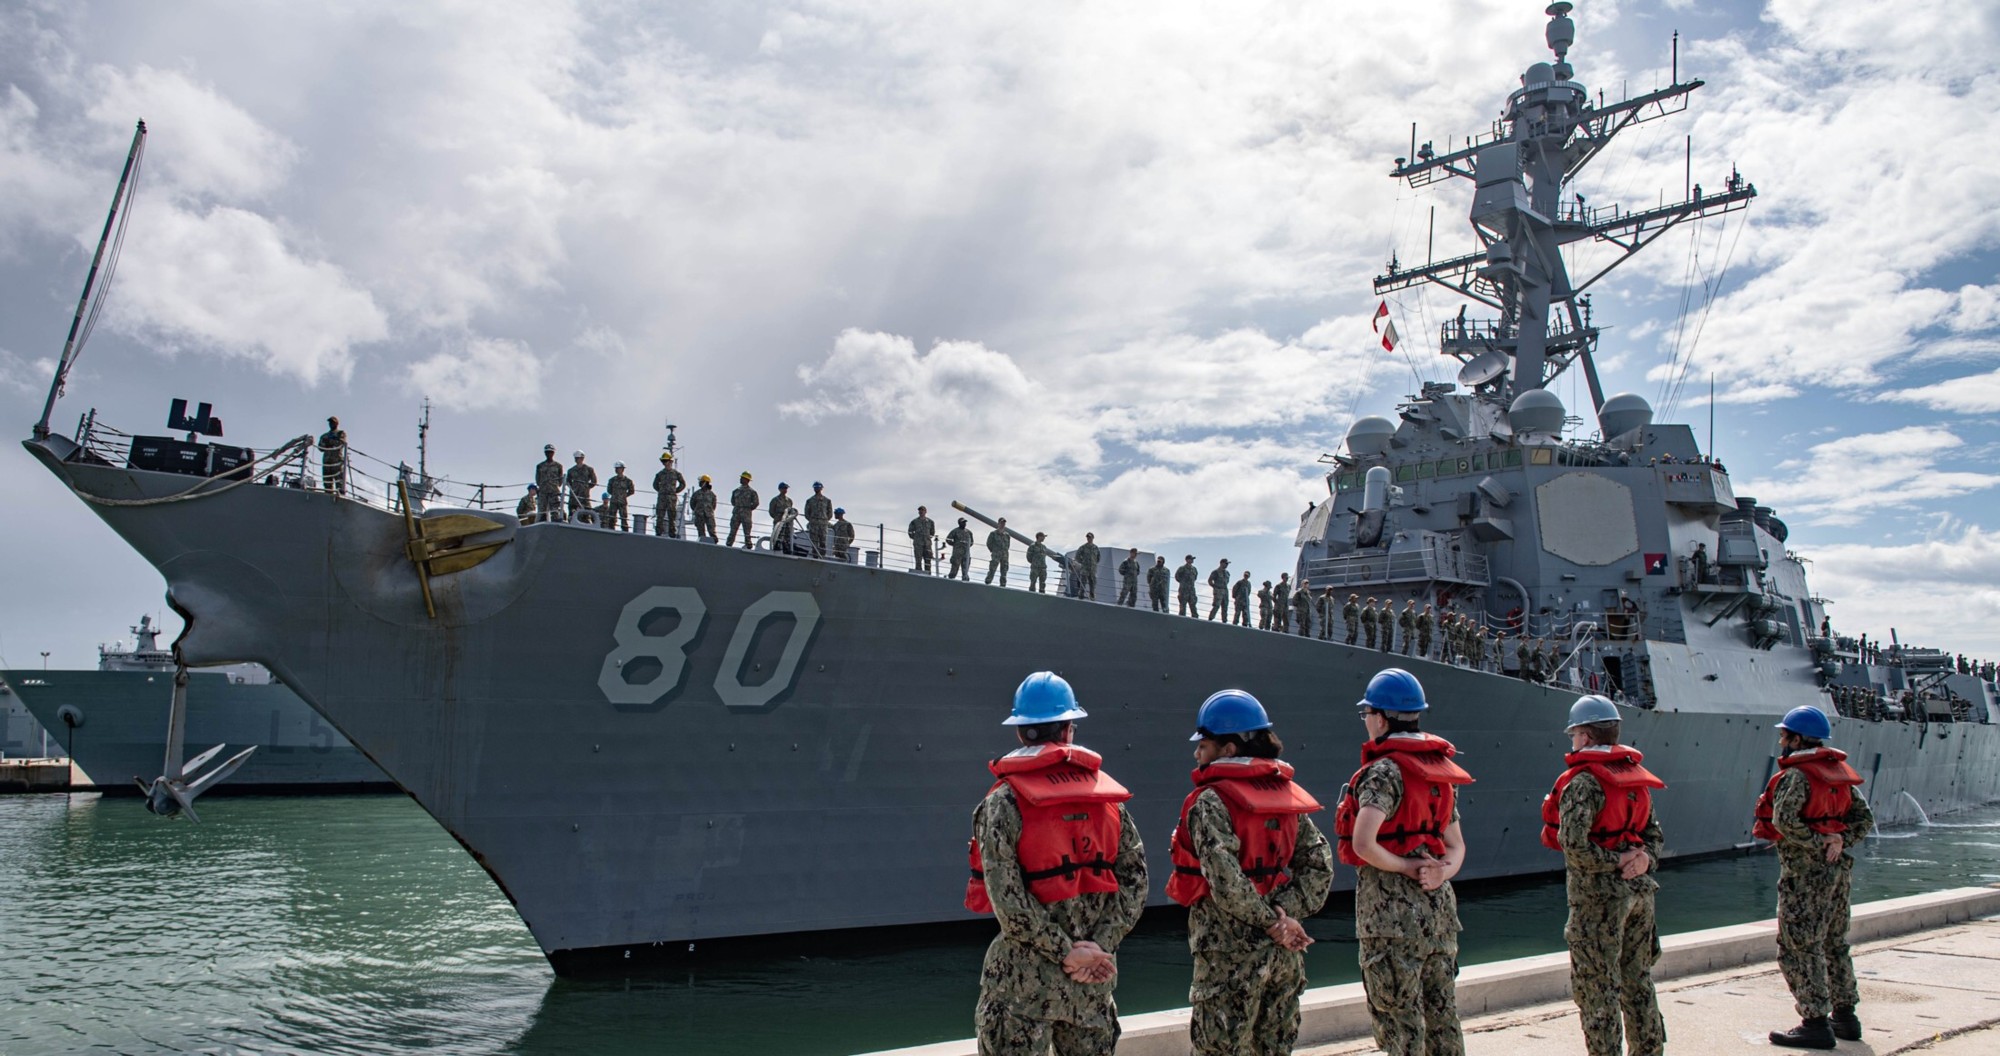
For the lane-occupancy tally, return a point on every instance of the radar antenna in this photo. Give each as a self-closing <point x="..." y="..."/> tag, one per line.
<point x="1523" y="217"/>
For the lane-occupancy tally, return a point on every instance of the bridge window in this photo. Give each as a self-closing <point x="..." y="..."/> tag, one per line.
<point x="1405" y="474"/>
<point x="1539" y="456"/>
<point x="1513" y="459"/>
<point x="1426" y="470"/>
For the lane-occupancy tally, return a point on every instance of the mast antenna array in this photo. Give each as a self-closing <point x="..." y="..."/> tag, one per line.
<point x="1523" y="215"/>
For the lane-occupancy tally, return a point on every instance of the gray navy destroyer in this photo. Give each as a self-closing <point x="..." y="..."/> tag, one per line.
<point x="112" y="722"/>
<point x="740" y="743"/>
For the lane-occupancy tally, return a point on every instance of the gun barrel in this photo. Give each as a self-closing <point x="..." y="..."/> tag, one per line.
<point x="1056" y="551"/>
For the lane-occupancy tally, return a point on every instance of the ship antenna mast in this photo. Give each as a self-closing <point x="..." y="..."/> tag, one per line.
<point x="1523" y="215"/>
<point x="423" y="435"/>
<point x="87" y="309"/>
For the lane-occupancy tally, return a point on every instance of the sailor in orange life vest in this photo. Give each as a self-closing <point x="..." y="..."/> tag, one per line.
<point x="1814" y="812"/>
<point x="1057" y="859"/>
<point x="1249" y="865"/>
<point x="1600" y="816"/>
<point x="1398" y="825"/>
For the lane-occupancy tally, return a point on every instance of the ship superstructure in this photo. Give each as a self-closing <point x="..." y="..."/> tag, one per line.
<point x="736" y="742"/>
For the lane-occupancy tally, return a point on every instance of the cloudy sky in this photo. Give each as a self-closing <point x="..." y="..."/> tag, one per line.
<point x="1097" y="266"/>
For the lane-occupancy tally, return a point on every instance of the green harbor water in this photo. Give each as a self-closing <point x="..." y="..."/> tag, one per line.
<point x="356" y="925"/>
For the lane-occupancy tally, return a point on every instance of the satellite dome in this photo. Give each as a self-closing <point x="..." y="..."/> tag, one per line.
<point x="1369" y="436"/>
<point x="1623" y="413"/>
<point x="1539" y="73"/>
<point x="1536" y="411"/>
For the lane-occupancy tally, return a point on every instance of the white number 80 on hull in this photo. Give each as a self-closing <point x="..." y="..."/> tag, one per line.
<point x="670" y="649"/>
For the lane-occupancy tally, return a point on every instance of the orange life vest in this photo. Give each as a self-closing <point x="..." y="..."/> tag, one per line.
<point x="1628" y="797"/>
<point x="1069" y="823"/>
<point x="1430" y="796"/>
<point x="1264" y="807"/>
<point x="1832" y="792"/>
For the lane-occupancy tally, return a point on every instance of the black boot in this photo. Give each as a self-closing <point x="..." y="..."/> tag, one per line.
<point x="1809" y="1034"/>
<point x="1846" y="1025"/>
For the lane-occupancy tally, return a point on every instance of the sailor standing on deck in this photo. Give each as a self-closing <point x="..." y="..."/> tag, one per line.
<point x="923" y="540"/>
<point x="960" y="541"/>
<point x="1086" y="567"/>
<point x="998" y="544"/>
<point x="1600" y="816"/>
<point x="1398" y="826"/>
<point x="1128" y="577"/>
<point x="581" y="479"/>
<point x="1302" y="608"/>
<point x="843" y="534"/>
<point x="742" y="507"/>
<point x="1250" y="866"/>
<point x="1184" y="596"/>
<point x="667" y="487"/>
<point x="1038" y="564"/>
<point x="1814" y="812"/>
<point x="618" y="497"/>
<point x="1264" y="606"/>
<point x="1240" y="594"/>
<point x="819" y="514"/>
<point x="1281" y="604"/>
<point x="702" y="505"/>
<point x="549" y="485"/>
<point x="781" y="518"/>
<point x="1157" y="579"/>
<point x="1057" y="859"/>
<point x="333" y="457"/>
<point x="1218" y="590"/>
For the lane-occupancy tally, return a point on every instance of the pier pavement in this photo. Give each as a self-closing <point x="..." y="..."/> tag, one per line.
<point x="1929" y="967"/>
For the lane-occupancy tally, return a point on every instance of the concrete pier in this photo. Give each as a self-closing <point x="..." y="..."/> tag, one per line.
<point x="1929" y="967"/>
<point x="34" y="775"/>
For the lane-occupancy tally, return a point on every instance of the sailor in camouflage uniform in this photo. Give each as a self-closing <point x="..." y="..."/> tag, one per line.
<point x="1250" y="866"/>
<point x="1038" y="564"/>
<point x="923" y="540"/>
<point x="959" y="539"/>
<point x="1302" y="609"/>
<point x="525" y="509"/>
<point x="1398" y="825"/>
<point x="843" y="534"/>
<point x="780" y="510"/>
<point x="1425" y="621"/>
<point x="1185" y="576"/>
<point x="581" y="479"/>
<point x="1350" y="617"/>
<point x="742" y="507"/>
<point x="1218" y="590"/>
<point x="1052" y="816"/>
<point x="998" y="544"/>
<point x="819" y="514"/>
<point x="1264" y="606"/>
<point x="1814" y="811"/>
<point x="1240" y="594"/>
<point x="1370" y="616"/>
<point x="548" y="485"/>
<point x="1281" y="604"/>
<point x="667" y="487"/>
<point x="1157" y="580"/>
<point x="701" y="505"/>
<point x="1085" y="567"/>
<point x="1600" y="816"/>
<point x="1128" y="577"/>
<point x="1406" y="621"/>
<point x="618" y="498"/>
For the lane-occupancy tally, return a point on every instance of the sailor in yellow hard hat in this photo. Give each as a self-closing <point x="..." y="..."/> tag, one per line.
<point x="701" y="506"/>
<point x="742" y="507"/>
<point x="667" y="487"/>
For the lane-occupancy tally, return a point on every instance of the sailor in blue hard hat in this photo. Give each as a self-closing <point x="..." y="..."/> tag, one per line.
<point x="1250" y="866"/>
<point x="1600" y="816"/>
<point x="843" y="534"/>
<point x="1398" y="826"/>
<point x="1056" y="857"/>
<point x="1814" y="811"/>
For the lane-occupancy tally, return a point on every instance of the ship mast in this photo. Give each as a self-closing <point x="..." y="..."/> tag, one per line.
<point x="1523" y="215"/>
<point x="85" y="318"/>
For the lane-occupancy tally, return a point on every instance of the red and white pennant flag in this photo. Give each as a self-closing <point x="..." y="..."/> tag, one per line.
<point x="1387" y="330"/>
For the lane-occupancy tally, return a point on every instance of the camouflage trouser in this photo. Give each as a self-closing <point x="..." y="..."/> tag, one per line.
<point x="1368" y="632"/>
<point x="925" y="552"/>
<point x="961" y="566"/>
<point x="1249" y="1004"/>
<point x="1423" y="645"/>
<point x="1813" y="915"/>
<point x="1159" y="599"/>
<point x="704" y="525"/>
<point x="1038" y="579"/>
<point x="816" y="530"/>
<point x="1188" y="605"/>
<point x="1003" y="1032"/>
<point x="1242" y="614"/>
<point x="1413" y="998"/>
<point x="620" y="516"/>
<point x="741" y="519"/>
<point x="547" y="506"/>
<point x="1263" y="617"/>
<point x="1128" y="591"/>
<point x="1086" y="584"/>
<point x="996" y="563"/>
<point x="1302" y="622"/>
<point x="1353" y="629"/>
<point x="1613" y="945"/>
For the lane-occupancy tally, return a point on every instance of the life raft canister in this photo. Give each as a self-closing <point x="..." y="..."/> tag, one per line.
<point x="1264" y="807"/>
<point x="1069" y="823"/>
<point x="1628" y="797"/>
<point x="1430" y="796"/>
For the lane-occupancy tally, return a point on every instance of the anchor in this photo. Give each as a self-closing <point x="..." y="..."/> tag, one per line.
<point x="174" y="791"/>
<point x="437" y="545"/>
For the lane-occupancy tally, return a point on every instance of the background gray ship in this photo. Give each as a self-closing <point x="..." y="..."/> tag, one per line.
<point x="112" y="723"/>
<point x="739" y="743"/>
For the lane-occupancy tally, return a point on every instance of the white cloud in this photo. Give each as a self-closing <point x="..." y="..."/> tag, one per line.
<point x="1842" y="481"/>
<point x="226" y="281"/>
<point x="1977" y="394"/>
<point x="21" y="376"/>
<point x="1942" y="592"/>
<point x="205" y="146"/>
<point x="482" y="373"/>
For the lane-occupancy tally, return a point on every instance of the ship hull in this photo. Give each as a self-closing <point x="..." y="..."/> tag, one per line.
<point x="122" y="733"/>
<point x="649" y="742"/>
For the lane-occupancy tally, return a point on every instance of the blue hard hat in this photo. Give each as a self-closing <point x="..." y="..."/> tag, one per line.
<point x="1592" y="708"/>
<point x="1230" y="711"/>
<point x="782" y="486"/>
<point x="840" y="509"/>
<point x="1394" y="689"/>
<point x="1043" y="697"/>
<point x="817" y="484"/>
<point x="1807" y="721"/>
